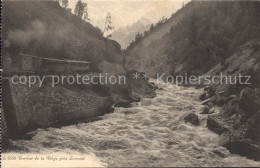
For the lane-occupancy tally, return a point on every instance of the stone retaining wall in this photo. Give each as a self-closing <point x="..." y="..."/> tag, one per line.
<point x="4" y="137"/>
<point x="36" y="107"/>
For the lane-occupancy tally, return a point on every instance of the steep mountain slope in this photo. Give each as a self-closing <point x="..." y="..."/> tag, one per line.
<point x="45" y="29"/>
<point x="196" y="38"/>
<point x="127" y="34"/>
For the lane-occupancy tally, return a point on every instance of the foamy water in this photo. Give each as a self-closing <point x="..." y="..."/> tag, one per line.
<point x="152" y="133"/>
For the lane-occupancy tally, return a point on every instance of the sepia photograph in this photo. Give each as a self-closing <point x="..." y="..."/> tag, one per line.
<point x="130" y="83"/>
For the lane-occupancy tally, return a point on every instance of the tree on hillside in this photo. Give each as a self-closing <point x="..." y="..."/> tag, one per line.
<point x="108" y="26"/>
<point x="81" y="10"/>
<point x="85" y="13"/>
<point x="161" y="21"/>
<point x="146" y="33"/>
<point x="65" y="3"/>
<point x="69" y="9"/>
<point x="138" y="37"/>
<point x="151" y="28"/>
<point x="58" y="2"/>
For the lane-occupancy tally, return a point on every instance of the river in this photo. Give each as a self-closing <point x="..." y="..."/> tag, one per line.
<point x="151" y="133"/>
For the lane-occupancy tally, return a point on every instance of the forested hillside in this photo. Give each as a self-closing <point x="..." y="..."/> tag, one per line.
<point x="202" y="34"/>
<point x="43" y="28"/>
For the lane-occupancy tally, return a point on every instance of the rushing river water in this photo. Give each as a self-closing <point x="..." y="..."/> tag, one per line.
<point x="152" y="133"/>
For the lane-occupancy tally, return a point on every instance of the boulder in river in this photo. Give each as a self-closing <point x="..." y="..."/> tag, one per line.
<point x="124" y="104"/>
<point x="210" y="104"/>
<point x="209" y="100"/>
<point x="210" y="90"/>
<point x="203" y="96"/>
<point x="29" y="135"/>
<point x="243" y="148"/>
<point x="206" y="88"/>
<point x="215" y="125"/>
<point x="209" y="110"/>
<point x="192" y="118"/>
<point x="204" y="110"/>
<point x="152" y="86"/>
<point x="231" y="97"/>
<point x="214" y="109"/>
<point x="220" y="99"/>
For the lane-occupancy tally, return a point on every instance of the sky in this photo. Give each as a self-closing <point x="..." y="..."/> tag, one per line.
<point x="126" y="12"/>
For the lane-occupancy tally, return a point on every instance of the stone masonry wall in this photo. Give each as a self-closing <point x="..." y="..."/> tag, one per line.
<point x="45" y="106"/>
<point x="4" y="137"/>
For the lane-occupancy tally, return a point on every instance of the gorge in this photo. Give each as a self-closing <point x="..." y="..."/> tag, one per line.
<point x="146" y="121"/>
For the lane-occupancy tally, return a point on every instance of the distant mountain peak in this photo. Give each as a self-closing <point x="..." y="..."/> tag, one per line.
<point x="144" y="21"/>
<point x="126" y="35"/>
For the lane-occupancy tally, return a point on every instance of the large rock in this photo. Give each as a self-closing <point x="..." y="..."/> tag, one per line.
<point x="215" y="109"/>
<point x="243" y="147"/>
<point x="210" y="90"/>
<point x="192" y="118"/>
<point x="140" y="87"/>
<point x="151" y="86"/>
<point x="29" y="135"/>
<point x="220" y="99"/>
<point x="204" y="110"/>
<point x="203" y="96"/>
<point x="209" y="100"/>
<point x="215" y="125"/>
<point x="231" y="97"/>
<point x="249" y="100"/>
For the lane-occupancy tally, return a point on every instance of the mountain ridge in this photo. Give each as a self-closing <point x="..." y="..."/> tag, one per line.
<point x="127" y="34"/>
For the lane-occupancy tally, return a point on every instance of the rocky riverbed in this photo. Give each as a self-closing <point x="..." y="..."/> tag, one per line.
<point x="235" y="118"/>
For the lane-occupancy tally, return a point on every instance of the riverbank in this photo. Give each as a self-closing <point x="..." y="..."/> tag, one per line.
<point x="235" y="118"/>
<point x="27" y="108"/>
<point x="233" y="109"/>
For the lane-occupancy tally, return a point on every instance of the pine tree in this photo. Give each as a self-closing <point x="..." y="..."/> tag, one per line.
<point x="80" y="9"/>
<point x="65" y="3"/>
<point x="85" y="13"/>
<point x="151" y="28"/>
<point x="108" y="25"/>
